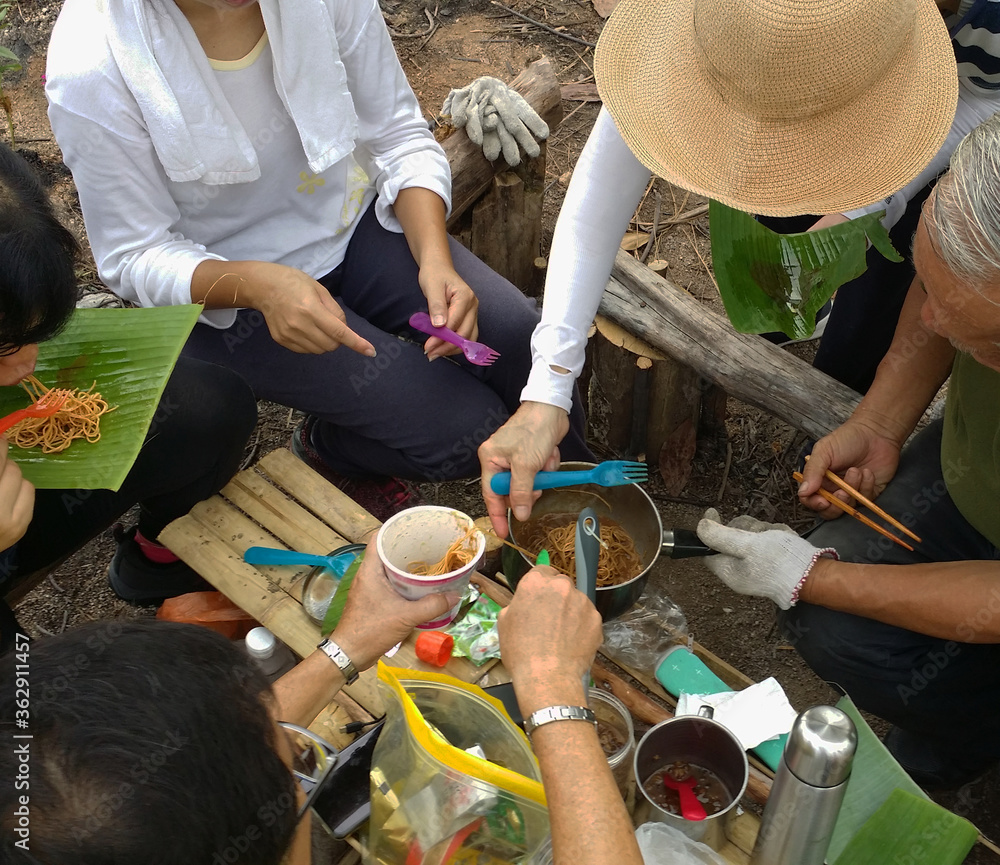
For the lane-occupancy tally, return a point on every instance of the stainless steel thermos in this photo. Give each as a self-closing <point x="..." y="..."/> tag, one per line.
<point x="808" y="789"/>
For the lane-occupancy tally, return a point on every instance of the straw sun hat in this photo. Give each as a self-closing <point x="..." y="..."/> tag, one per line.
<point x="780" y="107"/>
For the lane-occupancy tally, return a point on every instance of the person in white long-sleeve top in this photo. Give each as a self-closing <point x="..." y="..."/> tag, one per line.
<point x="270" y="161"/>
<point x="781" y="107"/>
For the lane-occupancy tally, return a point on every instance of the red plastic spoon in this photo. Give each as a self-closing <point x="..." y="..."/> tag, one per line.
<point x="46" y="406"/>
<point x="691" y="808"/>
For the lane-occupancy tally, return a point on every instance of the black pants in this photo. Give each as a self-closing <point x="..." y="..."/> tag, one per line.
<point x="193" y="448"/>
<point x="944" y="691"/>
<point x="395" y="414"/>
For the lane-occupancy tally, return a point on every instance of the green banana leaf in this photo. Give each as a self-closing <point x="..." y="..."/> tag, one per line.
<point x="909" y="829"/>
<point x="336" y="608"/>
<point x="130" y="354"/>
<point x="875" y="774"/>
<point x="778" y="282"/>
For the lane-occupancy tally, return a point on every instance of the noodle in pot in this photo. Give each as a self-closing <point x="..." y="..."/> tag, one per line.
<point x="78" y="418"/>
<point x="618" y="562"/>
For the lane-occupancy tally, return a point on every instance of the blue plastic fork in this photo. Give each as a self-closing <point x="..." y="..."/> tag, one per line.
<point x="610" y="473"/>
<point x="475" y="352"/>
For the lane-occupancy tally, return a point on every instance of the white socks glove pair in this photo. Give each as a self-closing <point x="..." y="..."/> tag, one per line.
<point x="496" y="118"/>
<point x="767" y="560"/>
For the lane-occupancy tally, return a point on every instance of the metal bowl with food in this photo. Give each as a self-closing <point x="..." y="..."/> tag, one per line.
<point x="633" y="509"/>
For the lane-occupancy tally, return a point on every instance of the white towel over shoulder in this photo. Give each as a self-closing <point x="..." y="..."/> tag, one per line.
<point x="192" y="127"/>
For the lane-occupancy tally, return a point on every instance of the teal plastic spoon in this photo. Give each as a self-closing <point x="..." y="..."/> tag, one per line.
<point x="337" y="563"/>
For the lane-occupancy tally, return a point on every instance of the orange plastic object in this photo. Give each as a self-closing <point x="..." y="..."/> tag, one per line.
<point x="434" y="647"/>
<point x="210" y="609"/>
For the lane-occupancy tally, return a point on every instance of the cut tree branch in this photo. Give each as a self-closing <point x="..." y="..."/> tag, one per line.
<point x="745" y="366"/>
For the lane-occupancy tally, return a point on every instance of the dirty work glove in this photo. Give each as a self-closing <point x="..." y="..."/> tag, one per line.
<point x="496" y="118"/>
<point x="767" y="560"/>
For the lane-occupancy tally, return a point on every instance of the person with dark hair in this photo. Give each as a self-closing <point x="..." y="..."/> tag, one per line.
<point x="37" y="253"/>
<point x="157" y="743"/>
<point x="137" y="729"/>
<point x="192" y="449"/>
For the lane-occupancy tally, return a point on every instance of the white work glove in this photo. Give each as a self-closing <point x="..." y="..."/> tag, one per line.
<point x="496" y="118"/>
<point x="767" y="560"/>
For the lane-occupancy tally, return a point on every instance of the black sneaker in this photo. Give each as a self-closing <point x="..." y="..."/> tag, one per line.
<point x="822" y="317"/>
<point x="927" y="764"/>
<point x="380" y="496"/>
<point x="136" y="579"/>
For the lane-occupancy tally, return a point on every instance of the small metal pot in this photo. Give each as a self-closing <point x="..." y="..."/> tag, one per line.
<point x="705" y="742"/>
<point x="634" y="510"/>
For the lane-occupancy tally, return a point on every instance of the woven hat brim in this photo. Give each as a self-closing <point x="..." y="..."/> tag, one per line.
<point x="680" y="127"/>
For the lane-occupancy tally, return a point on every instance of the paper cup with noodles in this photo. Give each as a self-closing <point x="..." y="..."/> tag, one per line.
<point x="430" y="549"/>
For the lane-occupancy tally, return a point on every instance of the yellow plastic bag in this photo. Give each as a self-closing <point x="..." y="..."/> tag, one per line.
<point x="453" y="781"/>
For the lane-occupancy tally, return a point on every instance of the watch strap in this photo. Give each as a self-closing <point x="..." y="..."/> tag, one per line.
<point x="340" y="658"/>
<point x="558" y="713"/>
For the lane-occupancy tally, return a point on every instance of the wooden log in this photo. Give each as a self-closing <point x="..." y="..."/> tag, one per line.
<point x="642" y="707"/>
<point x="745" y="366"/>
<point x="472" y="172"/>
<point x="642" y="404"/>
<point x="506" y="227"/>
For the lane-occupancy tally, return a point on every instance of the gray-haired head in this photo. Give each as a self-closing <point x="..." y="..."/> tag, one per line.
<point x="964" y="221"/>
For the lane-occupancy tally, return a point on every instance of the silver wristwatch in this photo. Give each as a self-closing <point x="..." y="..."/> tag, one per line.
<point x="339" y="657"/>
<point x="558" y="713"/>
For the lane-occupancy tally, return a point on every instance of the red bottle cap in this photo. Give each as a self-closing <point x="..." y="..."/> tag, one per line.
<point x="434" y="647"/>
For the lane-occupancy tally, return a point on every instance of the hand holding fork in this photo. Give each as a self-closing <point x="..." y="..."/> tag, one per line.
<point x="475" y="352"/>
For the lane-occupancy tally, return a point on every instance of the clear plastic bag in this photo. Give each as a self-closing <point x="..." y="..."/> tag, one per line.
<point x="452" y="776"/>
<point x="639" y="637"/>
<point x="475" y="634"/>
<point x="661" y="844"/>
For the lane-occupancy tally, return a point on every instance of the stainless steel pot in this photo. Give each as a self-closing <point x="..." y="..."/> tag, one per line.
<point x="630" y="506"/>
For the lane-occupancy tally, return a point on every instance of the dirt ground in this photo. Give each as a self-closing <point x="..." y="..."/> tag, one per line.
<point x="445" y="44"/>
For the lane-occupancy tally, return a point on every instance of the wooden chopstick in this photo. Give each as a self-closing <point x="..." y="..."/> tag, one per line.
<point x="854" y="512"/>
<point x="847" y="488"/>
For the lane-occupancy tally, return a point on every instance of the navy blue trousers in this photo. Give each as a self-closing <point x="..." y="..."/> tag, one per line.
<point x="394" y="414"/>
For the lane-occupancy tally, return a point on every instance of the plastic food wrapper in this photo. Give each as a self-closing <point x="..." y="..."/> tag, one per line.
<point x="475" y="634"/>
<point x="639" y="637"/>
<point x="661" y="844"/>
<point x="453" y="779"/>
<point x="212" y="610"/>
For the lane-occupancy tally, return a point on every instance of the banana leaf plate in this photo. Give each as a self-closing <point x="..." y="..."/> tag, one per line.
<point x="130" y="354"/>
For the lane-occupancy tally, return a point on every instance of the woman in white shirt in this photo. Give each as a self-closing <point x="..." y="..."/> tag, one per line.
<point x="778" y="107"/>
<point x="270" y="161"/>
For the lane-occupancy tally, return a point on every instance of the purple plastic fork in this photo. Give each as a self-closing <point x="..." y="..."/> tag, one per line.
<point x="475" y="352"/>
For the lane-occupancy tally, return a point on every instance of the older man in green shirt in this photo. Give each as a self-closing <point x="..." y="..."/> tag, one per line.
<point x="913" y="637"/>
